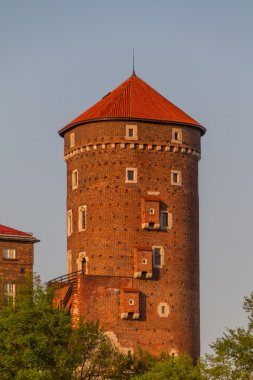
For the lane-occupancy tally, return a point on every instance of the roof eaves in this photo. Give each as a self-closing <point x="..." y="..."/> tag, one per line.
<point x="67" y="128"/>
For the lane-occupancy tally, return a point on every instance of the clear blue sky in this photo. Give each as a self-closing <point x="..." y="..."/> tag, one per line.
<point x="59" y="57"/>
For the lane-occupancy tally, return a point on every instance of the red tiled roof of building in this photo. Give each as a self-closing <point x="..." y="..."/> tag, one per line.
<point x="134" y="99"/>
<point x="4" y="230"/>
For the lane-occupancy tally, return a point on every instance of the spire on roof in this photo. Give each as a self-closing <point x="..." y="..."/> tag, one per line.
<point x="133" y="73"/>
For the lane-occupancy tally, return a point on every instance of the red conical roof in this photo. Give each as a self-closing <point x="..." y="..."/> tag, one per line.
<point x="136" y="100"/>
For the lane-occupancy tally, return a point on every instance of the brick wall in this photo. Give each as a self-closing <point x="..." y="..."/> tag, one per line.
<point x="114" y="230"/>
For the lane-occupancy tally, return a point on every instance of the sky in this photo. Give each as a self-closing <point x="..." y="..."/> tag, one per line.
<point x="59" y="57"/>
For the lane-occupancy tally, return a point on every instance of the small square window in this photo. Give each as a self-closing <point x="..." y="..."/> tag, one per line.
<point x="176" y="177"/>
<point x="131" y="302"/>
<point x="9" y="253"/>
<point x="72" y="140"/>
<point x="152" y="211"/>
<point x="131" y="175"/>
<point x="144" y="261"/>
<point x="131" y="132"/>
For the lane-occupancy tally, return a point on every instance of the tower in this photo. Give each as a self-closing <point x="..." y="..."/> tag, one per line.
<point x="133" y="219"/>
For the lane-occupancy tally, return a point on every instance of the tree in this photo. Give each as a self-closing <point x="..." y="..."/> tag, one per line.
<point x="233" y="352"/>
<point x="37" y="342"/>
<point x="34" y="336"/>
<point x="172" y="368"/>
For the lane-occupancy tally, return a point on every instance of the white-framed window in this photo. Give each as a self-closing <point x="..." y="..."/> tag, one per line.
<point x="131" y="301"/>
<point x="72" y="140"/>
<point x="158" y="256"/>
<point x="131" y="175"/>
<point x="74" y="179"/>
<point x="151" y="211"/>
<point x="131" y="132"/>
<point x="9" y="293"/>
<point x="9" y="253"/>
<point x="144" y="261"/>
<point x="163" y="309"/>
<point x="176" y="177"/>
<point x="69" y="261"/>
<point x="176" y="135"/>
<point x="69" y="222"/>
<point x="82" y="218"/>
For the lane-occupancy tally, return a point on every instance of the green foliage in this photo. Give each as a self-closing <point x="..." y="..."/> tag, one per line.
<point x="233" y="352"/>
<point x="172" y="368"/>
<point x="34" y="337"/>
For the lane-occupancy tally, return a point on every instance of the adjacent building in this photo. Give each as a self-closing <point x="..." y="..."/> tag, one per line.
<point x="16" y="259"/>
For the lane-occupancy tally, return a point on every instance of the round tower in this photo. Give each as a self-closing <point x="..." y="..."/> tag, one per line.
<point x="133" y="218"/>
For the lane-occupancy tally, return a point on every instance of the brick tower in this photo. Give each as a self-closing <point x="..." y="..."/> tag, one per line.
<point x="133" y="219"/>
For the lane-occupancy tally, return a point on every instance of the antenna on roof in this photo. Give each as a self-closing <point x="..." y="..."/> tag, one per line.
<point x="133" y="73"/>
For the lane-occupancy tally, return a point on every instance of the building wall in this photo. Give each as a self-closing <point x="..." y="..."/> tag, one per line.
<point x="13" y="270"/>
<point x="114" y="229"/>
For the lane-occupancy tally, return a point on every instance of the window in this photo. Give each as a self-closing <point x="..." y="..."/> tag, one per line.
<point x="131" y="302"/>
<point x="9" y="293"/>
<point x="69" y="223"/>
<point x="163" y="309"/>
<point x="9" y="253"/>
<point x="177" y="135"/>
<point x="176" y="177"/>
<point x="72" y="140"/>
<point x="131" y="175"/>
<point x="152" y="211"/>
<point x="82" y="218"/>
<point x="131" y="132"/>
<point x="74" y="179"/>
<point x="69" y="261"/>
<point x="144" y="261"/>
<point x="164" y="219"/>
<point x="158" y="257"/>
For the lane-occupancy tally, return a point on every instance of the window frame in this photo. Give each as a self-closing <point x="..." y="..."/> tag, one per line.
<point x="134" y="128"/>
<point x="82" y="210"/>
<point x="179" y="138"/>
<point x="154" y="247"/>
<point x="69" y="222"/>
<point x="9" y="295"/>
<point x="134" y="180"/>
<point x="72" y="139"/>
<point x="74" y="179"/>
<point x="178" y="181"/>
<point x="9" y="256"/>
